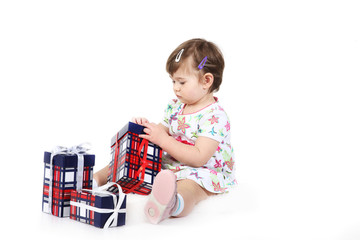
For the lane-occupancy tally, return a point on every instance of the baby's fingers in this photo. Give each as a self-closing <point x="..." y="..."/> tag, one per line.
<point x="139" y="120"/>
<point x="144" y="136"/>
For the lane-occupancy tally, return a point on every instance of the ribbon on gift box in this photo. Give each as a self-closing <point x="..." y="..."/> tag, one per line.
<point x="79" y="150"/>
<point x="117" y="203"/>
<point x="141" y="171"/>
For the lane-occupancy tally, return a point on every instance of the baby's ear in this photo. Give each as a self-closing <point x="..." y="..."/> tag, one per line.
<point x="207" y="80"/>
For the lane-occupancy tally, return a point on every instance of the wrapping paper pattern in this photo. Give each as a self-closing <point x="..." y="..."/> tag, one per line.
<point x="63" y="177"/>
<point x="135" y="161"/>
<point x="98" y="207"/>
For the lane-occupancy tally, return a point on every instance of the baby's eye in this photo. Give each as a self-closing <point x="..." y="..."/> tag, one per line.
<point x="182" y="83"/>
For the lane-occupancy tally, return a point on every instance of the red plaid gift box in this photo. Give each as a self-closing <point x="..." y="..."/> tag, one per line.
<point x="135" y="161"/>
<point x="99" y="207"/>
<point x="65" y="169"/>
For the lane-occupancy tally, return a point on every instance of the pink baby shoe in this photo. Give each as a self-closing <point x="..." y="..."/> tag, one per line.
<point x="163" y="197"/>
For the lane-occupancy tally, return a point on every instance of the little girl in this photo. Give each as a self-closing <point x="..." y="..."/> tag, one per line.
<point x="194" y="133"/>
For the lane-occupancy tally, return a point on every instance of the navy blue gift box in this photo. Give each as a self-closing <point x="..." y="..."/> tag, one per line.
<point x="63" y="178"/>
<point x="101" y="209"/>
<point x="135" y="161"/>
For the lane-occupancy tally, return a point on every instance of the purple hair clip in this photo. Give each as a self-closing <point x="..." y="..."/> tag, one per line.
<point x="202" y="64"/>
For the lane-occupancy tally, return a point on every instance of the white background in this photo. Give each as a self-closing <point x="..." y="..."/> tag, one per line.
<point x="76" y="71"/>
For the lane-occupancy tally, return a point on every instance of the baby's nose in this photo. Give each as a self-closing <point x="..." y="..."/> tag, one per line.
<point x="176" y="87"/>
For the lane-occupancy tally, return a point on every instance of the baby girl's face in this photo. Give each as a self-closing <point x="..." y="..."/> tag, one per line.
<point x="187" y="85"/>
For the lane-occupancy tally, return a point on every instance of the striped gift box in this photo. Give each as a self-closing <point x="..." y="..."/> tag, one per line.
<point x="99" y="207"/>
<point x="134" y="161"/>
<point x="61" y="177"/>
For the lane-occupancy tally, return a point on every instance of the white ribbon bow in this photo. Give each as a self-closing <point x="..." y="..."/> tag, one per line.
<point x="117" y="203"/>
<point x="79" y="150"/>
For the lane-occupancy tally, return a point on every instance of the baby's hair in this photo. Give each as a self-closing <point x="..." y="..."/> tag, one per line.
<point x="199" y="49"/>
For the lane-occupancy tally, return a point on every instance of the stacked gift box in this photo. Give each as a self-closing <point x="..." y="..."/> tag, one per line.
<point x="62" y="174"/>
<point x="99" y="207"/>
<point x="68" y="176"/>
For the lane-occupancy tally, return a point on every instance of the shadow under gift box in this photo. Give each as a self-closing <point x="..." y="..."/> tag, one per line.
<point x="135" y="161"/>
<point x="64" y="180"/>
<point x="99" y="201"/>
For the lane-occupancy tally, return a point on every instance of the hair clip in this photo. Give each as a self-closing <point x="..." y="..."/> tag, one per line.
<point x="178" y="56"/>
<point x="202" y="64"/>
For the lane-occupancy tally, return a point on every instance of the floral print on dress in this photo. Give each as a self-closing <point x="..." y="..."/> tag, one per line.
<point x="217" y="175"/>
<point x="182" y="126"/>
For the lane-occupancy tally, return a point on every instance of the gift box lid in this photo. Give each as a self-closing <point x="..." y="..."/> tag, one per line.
<point x="129" y="127"/>
<point x="64" y="160"/>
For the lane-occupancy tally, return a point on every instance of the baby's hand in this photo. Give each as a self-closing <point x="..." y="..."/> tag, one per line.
<point x="139" y="120"/>
<point x="155" y="133"/>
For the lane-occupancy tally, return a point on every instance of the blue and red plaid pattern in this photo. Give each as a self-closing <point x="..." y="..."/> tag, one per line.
<point x="64" y="180"/>
<point x="96" y="201"/>
<point x="134" y="161"/>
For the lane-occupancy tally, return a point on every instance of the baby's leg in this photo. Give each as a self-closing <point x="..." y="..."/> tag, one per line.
<point x="172" y="198"/>
<point x="192" y="194"/>
<point x="101" y="176"/>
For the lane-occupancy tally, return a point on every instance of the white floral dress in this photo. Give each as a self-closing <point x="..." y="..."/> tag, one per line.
<point x="217" y="175"/>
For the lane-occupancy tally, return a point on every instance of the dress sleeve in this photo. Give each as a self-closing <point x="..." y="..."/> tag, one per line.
<point x="168" y="113"/>
<point x="214" y="125"/>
